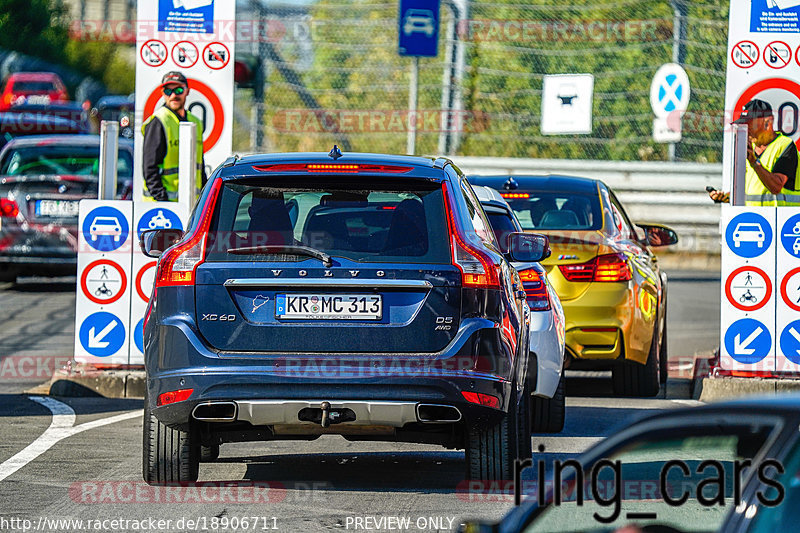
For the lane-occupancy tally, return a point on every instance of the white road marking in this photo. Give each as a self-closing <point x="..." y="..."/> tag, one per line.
<point x="61" y="427"/>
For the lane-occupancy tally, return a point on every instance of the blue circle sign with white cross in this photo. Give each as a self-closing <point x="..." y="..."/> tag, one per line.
<point x="102" y="334"/>
<point x="158" y="218"/>
<point x="105" y="228"/>
<point x="748" y="235"/>
<point x="748" y="341"/>
<point x="669" y="91"/>
<point x="790" y="342"/>
<point x="790" y="236"/>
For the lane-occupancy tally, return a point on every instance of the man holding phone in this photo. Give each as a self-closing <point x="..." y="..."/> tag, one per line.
<point x="771" y="168"/>
<point x="160" y="149"/>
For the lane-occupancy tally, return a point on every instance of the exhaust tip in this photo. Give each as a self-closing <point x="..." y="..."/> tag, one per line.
<point x="429" y="413"/>
<point x="215" y="412"/>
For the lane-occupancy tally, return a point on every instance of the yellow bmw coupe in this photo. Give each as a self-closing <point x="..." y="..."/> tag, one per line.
<point x="605" y="273"/>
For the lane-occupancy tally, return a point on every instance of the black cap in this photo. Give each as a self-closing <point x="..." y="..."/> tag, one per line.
<point x="173" y="77"/>
<point x="754" y="109"/>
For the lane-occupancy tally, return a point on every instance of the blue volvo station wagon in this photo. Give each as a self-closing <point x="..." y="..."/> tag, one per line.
<point x="363" y="295"/>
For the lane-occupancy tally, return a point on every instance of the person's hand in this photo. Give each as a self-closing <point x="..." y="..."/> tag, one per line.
<point x="751" y="155"/>
<point x="719" y="196"/>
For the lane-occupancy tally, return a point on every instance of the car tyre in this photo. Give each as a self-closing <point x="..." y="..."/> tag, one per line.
<point x="209" y="454"/>
<point x="168" y="455"/>
<point x="525" y="448"/>
<point x="635" y="379"/>
<point x="663" y="354"/>
<point x="548" y="414"/>
<point x="491" y="449"/>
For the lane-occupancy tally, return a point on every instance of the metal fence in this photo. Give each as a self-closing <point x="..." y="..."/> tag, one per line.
<point x="332" y="74"/>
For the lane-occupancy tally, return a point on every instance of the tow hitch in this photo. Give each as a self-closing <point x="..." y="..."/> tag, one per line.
<point x="325" y="416"/>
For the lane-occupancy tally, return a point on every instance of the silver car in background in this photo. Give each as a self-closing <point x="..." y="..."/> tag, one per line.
<point x="547" y="320"/>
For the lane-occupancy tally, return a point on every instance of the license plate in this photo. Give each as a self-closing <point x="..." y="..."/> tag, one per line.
<point x="329" y="306"/>
<point x="41" y="99"/>
<point x="57" y="208"/>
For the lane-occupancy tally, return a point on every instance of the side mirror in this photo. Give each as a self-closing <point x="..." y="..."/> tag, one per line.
<point x="658" y="235"/>
<point x="528" y="247"/>
<point x="153" y="242"/>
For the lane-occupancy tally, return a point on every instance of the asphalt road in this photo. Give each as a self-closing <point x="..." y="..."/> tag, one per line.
<point x="88" y="466"/>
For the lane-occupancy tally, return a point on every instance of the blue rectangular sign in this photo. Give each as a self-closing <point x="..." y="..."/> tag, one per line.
<point x="418" y="28"/>
<point x="186" y="16"/>
<point x="775" y="16"/>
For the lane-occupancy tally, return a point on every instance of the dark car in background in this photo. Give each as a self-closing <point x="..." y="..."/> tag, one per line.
<point x="364" y="296"/>
<point x="116" y="108"/>
<point x="32" y="88"/>
<point x="42" y="180"/>
<point x="35" y="119"/>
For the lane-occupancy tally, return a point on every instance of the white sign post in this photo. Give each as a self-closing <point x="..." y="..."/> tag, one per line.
<point x="567" y="104"/>
<point x="102" y="304"/>
<point x="197" y="39"/>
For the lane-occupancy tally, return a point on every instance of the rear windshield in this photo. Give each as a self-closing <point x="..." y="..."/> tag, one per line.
<point x="558" y="210"/>
<point x="34" y="86"/>
<point x="373" y="219"/>
<point x="62" y="160"/>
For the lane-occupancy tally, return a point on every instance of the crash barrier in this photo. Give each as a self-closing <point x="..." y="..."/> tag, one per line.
<point x="759" y="326"/>
<point x="651" y="191"/>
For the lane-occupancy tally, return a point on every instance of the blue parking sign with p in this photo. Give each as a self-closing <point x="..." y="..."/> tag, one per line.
<point x="418" y="28"/>
<point x="748" y="235"/>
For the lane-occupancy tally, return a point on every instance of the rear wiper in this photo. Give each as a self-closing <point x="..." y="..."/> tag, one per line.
<point x="284" y="248"/>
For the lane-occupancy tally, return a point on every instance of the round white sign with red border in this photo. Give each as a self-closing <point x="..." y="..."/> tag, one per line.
<point x="144" y="280"/>
<point x="153" y="53"/>
<point x="745" y="54"/>
<point x="103" y="282"/>
<point x="784" y="97"/>
<point x="216" y="56"/>
<point x="777" y="54"/>
<point x="185" y="54"/>
<point x="748" y="288"/>
<point x="790" y="289"/>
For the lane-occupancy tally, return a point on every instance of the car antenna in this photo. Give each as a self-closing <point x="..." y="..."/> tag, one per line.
<point x="335" y="153"/>
<point x="510" y="184"/>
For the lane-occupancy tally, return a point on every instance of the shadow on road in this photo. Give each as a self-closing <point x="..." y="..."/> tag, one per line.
<point x="42" y="285"/>
<point x="15" y="405"/>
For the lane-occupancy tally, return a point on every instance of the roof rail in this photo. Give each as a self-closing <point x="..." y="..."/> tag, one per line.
<point x="441" y="162"/>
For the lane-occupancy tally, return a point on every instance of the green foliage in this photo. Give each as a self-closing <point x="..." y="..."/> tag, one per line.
<point x="510" y="46"/>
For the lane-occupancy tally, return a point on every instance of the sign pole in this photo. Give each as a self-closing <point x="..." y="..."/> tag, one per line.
<point x="187" y="164"/>
<point x="411" y="143"/>
<point x="109" y="152"/>
<point x="739" y="163"/>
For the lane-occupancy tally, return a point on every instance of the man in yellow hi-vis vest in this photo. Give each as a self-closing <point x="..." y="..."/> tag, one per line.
<point x="160" y="150"/>
<point x="771" y="169"/>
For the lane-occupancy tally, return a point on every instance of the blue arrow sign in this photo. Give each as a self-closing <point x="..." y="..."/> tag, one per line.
<point x="418" y="28"/>
<point x="102" y="334"/>
<point x="790" y="236"/>
<point x="748" y="235"/>
<point x="158" y="218"/>
<point x="105" y="229"/>
<point x="138" y="335"/>
<point x="790" y="342"/>
<point x="748" y="341"/>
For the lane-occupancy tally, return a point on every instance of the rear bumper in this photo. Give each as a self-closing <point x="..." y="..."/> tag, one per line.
<point x="549" y="350"/>
<point x="48" y="248"/>
<point x="598" y="321"/>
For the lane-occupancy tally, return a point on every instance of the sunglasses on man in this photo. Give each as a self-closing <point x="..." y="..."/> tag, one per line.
<point x="177" y="90"/>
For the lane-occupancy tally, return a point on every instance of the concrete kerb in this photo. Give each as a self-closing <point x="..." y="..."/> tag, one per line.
<point x="709" y="389"/>
<point x="82" y="380"/>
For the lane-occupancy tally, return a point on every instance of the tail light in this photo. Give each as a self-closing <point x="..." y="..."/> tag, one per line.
<point x="8" y="208"/>
<point x="346" y="168"/>
<point x="9" y="97"/>
<point x="178" y="264"/>
<point x="478" y="271"/>
<point x="481" y="399"/>
<point x="535" y="290"/>
<point x="603" y="268"/>
<point x="173" y="396"/>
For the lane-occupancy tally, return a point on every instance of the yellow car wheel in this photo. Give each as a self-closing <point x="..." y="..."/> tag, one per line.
<point x="635" y="379"/>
